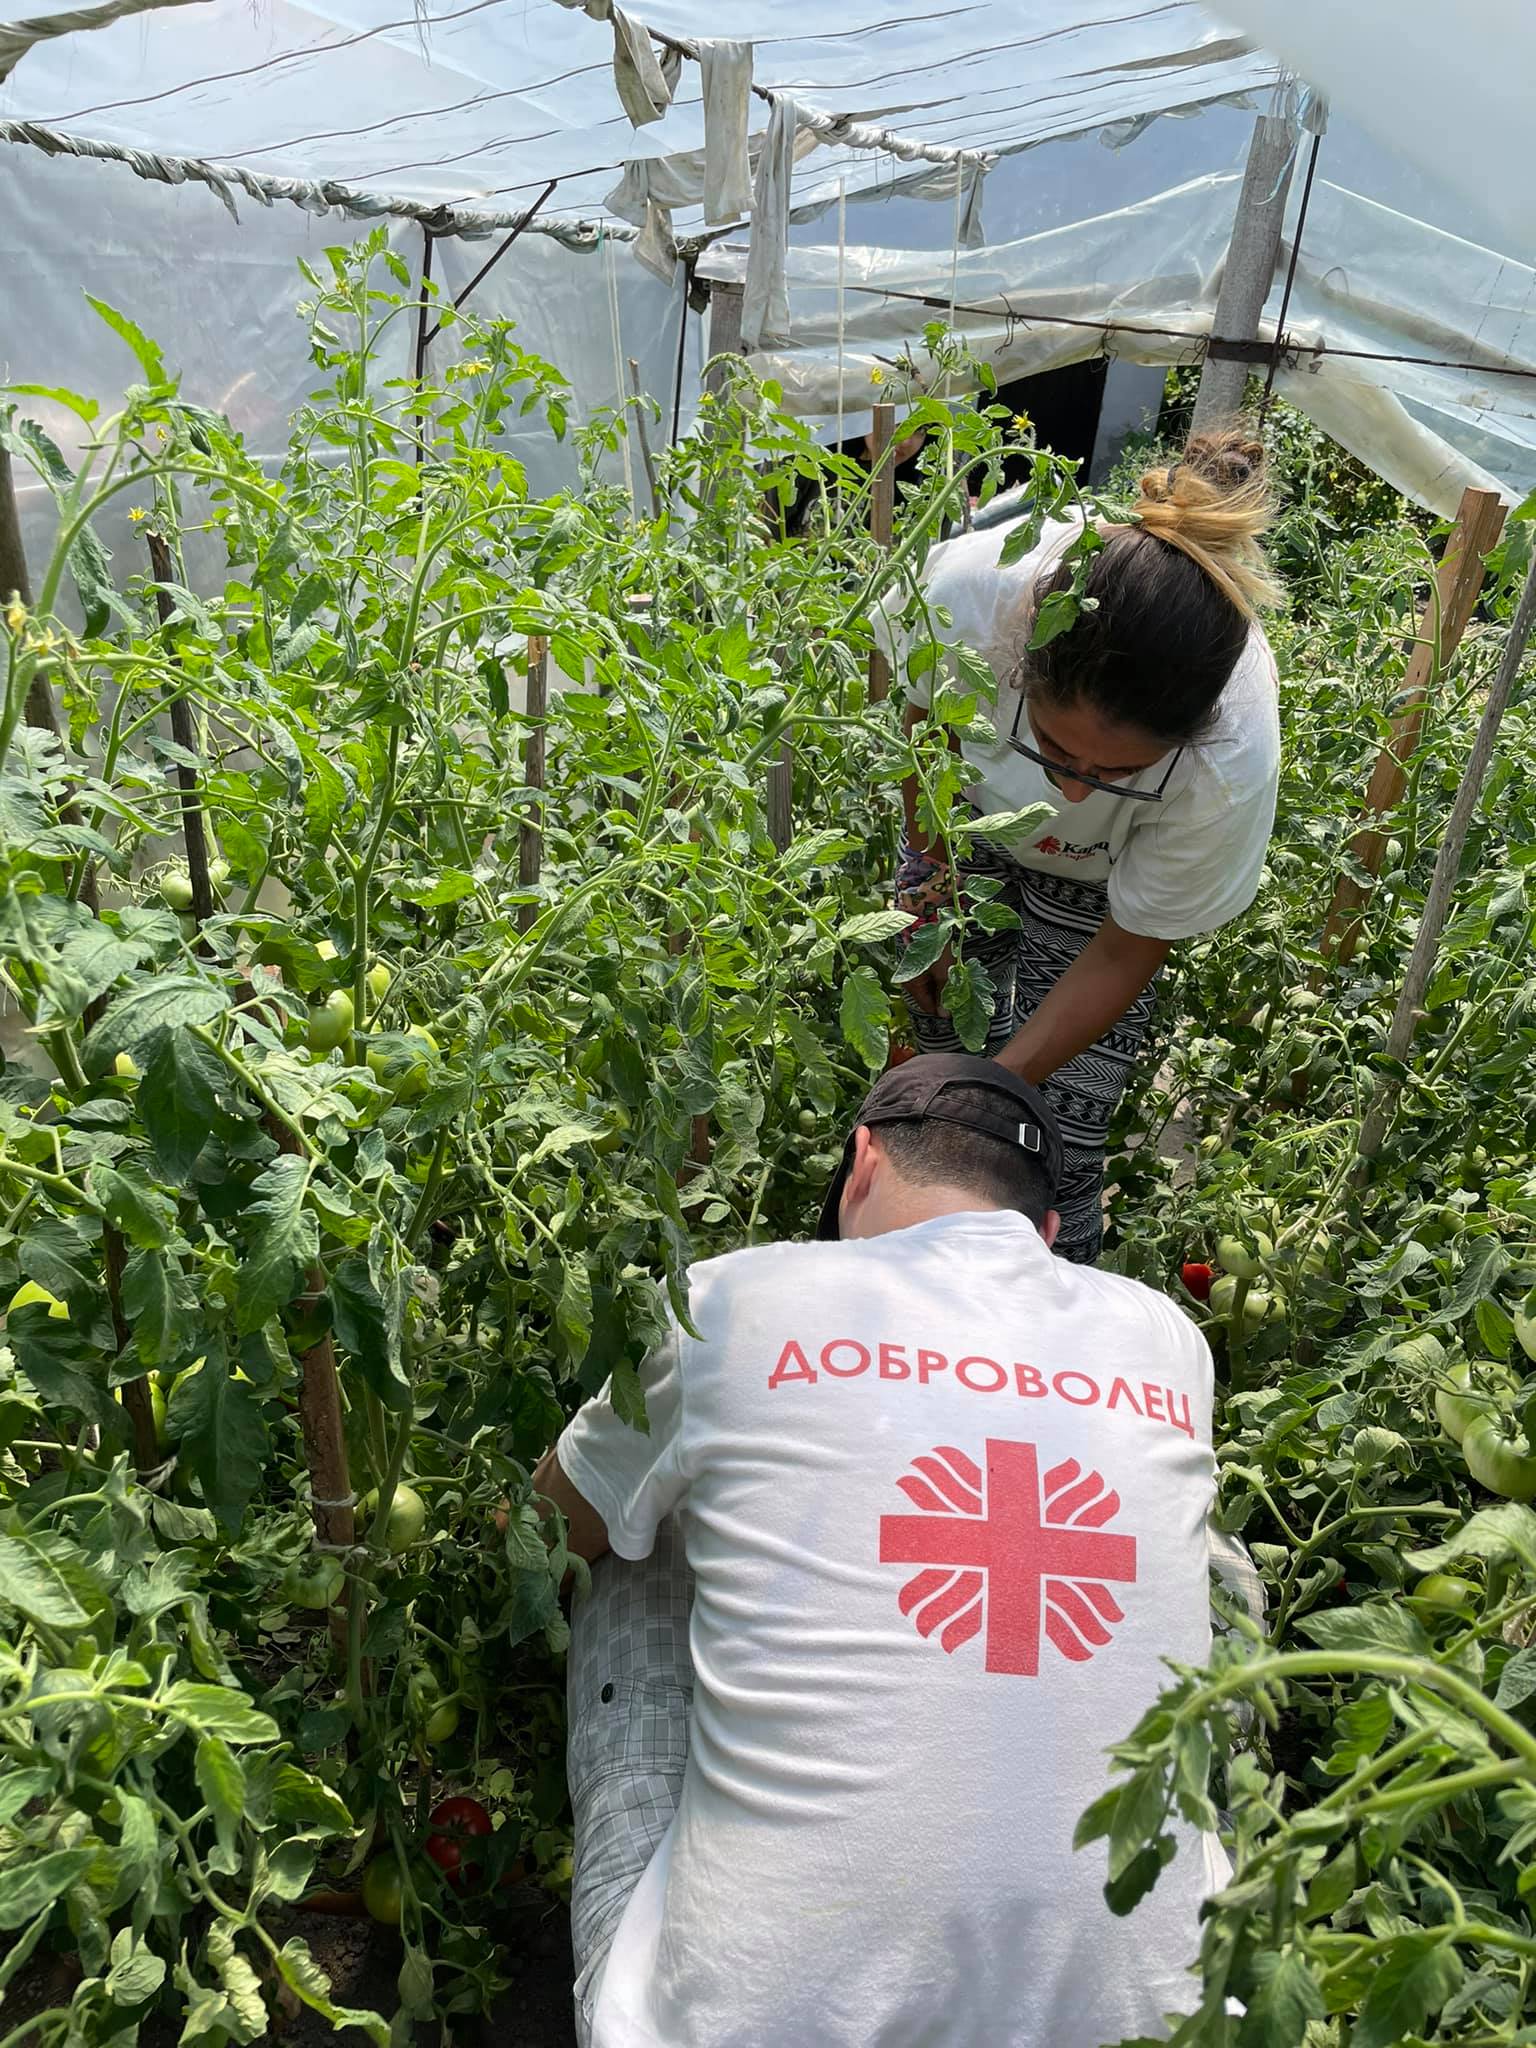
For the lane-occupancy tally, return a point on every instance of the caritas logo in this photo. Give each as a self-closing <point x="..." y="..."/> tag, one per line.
<point x="1010" y="1554"/>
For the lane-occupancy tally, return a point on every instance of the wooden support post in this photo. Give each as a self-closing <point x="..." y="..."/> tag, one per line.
<point x="882" y="514"/>
<point x="1437" y="904"/>
<point x="637" y="392"/>
<point x="725" y="303"/>
<point x="530" y="833"/>
<point x="14" y="582"/>
<point x="1250" y="266"/>
<point x="184" y="733"/>
<point x="1458" y="584"/>
<point x="781" y="813"/>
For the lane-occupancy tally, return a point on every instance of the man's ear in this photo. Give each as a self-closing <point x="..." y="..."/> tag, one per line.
<point x="1050" y="1226"/>
<point x="861" y="1178"/>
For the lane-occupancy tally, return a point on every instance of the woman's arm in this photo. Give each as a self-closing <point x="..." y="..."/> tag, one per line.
<point x="1094" y="993"/>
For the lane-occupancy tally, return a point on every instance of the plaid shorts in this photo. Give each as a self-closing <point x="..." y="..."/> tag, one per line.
<point x="629" y="1689"/>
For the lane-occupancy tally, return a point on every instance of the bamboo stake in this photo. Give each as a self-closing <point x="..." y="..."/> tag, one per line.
<point x="1437" y="904"/>
<point x="882" y="514"/>
<point x="530" y="833"/>
<point x="1458" y="584"/>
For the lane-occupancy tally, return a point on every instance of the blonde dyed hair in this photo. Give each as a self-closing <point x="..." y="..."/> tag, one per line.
<point x="1215" y="505"/>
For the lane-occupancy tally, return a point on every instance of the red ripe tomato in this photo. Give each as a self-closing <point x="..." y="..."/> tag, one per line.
<point x="452" y="1824"/>
<point x="1197" y="1278"/>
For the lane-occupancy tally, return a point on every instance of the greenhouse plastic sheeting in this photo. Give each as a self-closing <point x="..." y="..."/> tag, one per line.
<point x="1151" y="271"/>
<point x="476" y="102"/>
<point x="222" y="302"/>
<point x="1451" y="88"/>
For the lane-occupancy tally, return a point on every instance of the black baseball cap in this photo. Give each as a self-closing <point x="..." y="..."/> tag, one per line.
<point x="924" y="1089"/>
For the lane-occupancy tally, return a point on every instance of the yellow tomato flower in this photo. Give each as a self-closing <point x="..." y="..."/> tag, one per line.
<point x="15" y="615"/>
<point x="136" y="513"/>
<point x="877" y="376"/>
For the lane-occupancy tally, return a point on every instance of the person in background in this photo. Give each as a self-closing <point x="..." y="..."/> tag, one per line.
<point x="1152" y="726"/>
<point x="918" y="1515"/>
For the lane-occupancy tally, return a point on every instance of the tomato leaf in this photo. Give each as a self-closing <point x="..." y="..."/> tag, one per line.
<point x="160" y="1303"/>
<point x="218" y="1710"/>
<point x="1412" y="1979"/>
<point x="216" y="1422"/>
<point x="222" y="1784"/>
<point x="872" y="926"/>
<point x="573" y="1312"/>
<point x="865" y="1015"/>
<point x="305" y="1978"/>
<point x="969" y="996"/>
<point x="140" y="1015"/>
<point x="284" y="1242"/>
<point x="365" y="1331"/>
<point x="1374" y="1627"/>
<point x="1288" y="1996"/>
<point x="627" y="1395"/>
<point x="33" y="1585"/>
<point x="26" y="1888"/>
<point x="177" y="1100"/>
<point x="131" y="1202"/>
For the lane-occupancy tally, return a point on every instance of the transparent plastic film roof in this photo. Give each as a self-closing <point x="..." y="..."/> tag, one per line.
<point x="1054" y="181"/>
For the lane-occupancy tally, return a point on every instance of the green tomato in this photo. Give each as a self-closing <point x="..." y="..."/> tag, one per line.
<point x="613" y="1137"/>
<point x="187" y="926"/>
<point x="330" y="1022"/>
<point x="218" y="876"/>
<point x="808" y="1121"/>
<point x="404" y="1066"/>
<point x="1258" y="1304"/>
<point x="1234" y="1257"/>
<point x="126" y="1067"/>
<point x="434" y="1716"/>
<point x="1440" y="1593"/>
<point x="382" y="1886"/>
<point x="379" y="979"/>
<point x="175" y="887"/>
<point x="1525" y="1327"/>
<point x="407" y="1517"/>
<point x="1499" y="1457"/>
<point x="316" y="1587"/>
<point x="1459" y="1403"/>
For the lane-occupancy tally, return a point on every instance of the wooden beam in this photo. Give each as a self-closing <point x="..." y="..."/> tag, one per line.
<point x="1458" y="585"/>
<point x="1249" y="270"/>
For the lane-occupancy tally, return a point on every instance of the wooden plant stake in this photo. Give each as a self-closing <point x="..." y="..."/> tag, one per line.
<point x="1458" y="584"/>
<point x="1437" y="904"/>
<point x="781" y="815"/>
<point x="184" y="732"/>
<point x="530" y="833"/>
<point x="882" y="514"/>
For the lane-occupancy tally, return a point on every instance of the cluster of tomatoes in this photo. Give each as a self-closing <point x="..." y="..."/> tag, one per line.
<point x="453" y="1828"/>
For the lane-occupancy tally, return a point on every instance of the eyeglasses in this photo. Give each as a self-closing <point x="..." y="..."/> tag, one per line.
<point x="1059" y="771"/>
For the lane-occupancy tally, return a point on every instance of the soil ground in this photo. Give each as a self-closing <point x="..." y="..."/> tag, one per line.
<point x="361" y="1960"/>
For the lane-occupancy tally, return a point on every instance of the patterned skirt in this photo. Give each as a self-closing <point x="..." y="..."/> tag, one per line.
<point x="1057" y="917"/>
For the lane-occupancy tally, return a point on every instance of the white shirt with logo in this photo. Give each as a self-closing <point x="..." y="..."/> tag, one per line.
<point x="1186" y="865"/>
<point x="945" y="1498"/>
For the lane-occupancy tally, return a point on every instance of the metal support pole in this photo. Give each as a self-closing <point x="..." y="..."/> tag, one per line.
<point x="1250" y="266"/>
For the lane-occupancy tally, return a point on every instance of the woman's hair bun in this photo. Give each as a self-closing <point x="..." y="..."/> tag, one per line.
<point x="1214" y="505"/>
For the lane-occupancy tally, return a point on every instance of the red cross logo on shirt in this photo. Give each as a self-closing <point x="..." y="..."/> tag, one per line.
<point x="1023" y="1557"/>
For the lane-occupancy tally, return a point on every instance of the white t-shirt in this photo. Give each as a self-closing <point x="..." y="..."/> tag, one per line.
<point x="1186" y="865"/>
<point x="945" y="1497"/>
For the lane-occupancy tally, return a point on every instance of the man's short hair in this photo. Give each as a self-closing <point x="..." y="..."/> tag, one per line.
<point x="932" y="1152"/>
